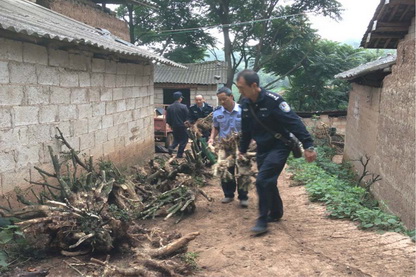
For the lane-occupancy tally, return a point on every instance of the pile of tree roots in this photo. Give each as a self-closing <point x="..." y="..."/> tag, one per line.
<point x="80" y="207"/>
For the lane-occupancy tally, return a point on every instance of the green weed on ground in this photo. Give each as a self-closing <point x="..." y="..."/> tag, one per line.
<point x="336" y="186"/>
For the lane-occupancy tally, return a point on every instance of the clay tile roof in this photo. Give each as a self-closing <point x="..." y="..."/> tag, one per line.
<point x="367" y="68"/>
<point x="206" y="73"/>
<point x="389" y="24"/>
<point x="27" y="18"/>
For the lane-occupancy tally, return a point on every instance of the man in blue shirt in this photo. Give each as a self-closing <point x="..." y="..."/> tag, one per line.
<point x="227" y="120"/>
<point x="272" y="110"/>
<point x="176" y="115"/>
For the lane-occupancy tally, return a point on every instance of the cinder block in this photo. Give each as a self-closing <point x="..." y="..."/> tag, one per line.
<point x="80" y="126"/>
<point x="48" y="114"/>
<point x="110" y="107"/>
<point x="79" y="96"/>
<point x="22" y="73"/>
<point x="25" y="115"/>
<point x="14" y="178"/>
<point x="11" y="50"/>
<point x="110" y="67"/>
<point x="109" y="147"/>
<point x="97" y="79"/>
<point x="107" y="121"/>
<point x="5" y="117"/>
<point x="79" y="62"/>
<point x="147" y="70"/>
<point x="121" y="106"/>
<point x="123" y="129"/>
<point x="98" y="109"/>
<point x="117" y="93"/>
<point x="4" y="73"/>
<point x="84" y="79"/>
<point x="120" y="143"/>
<point x="84" y="111"/>
<point x="98" y="65"/>
<point x="101" y="136"/>
<point x="137" y="69"/>
<point x="128" y="93"/>
<point x="74" y="142"/>
<point x="60" y="95"/>
<point x="58" y="58"/>
<point x="110" y="80"/>
<point x="94" y="123"/>
<point x="87" y="141"/>
<point x="130" y="80"/>
<point x="121" y="80"/>
<point x="94" y="94"/>
<point x="112" y="132"/>
<point x="68" y="78"/>
<point x="65" y="127"/>
<point x="130" y="104"/>
<point x="106" y="94"/>
<point x="67" y="112"/>
<point x="33" y="53"/>
<point x="38" y="134"/>
<point x="122" y="68"/>
<point x="137" y="113"/>
<point x="47" y="75"/>
<point x="37" y="95"/>
<point x="27" y="154"/>
<point x="11" y="95"/>
<point x="139" y="102"/>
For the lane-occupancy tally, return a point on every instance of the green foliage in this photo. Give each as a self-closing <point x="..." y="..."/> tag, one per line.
<point x="118" y="213"/>
<point x="11" y="238"/>
<point x="111" y="171"/>
<point x="157" y="28"/>
<point x="313" y="86"/>
<point x="335" y="186"/>
<point x="190" y="259"/>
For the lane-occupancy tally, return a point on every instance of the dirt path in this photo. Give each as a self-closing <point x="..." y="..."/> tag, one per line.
<point x="304" y="243"/>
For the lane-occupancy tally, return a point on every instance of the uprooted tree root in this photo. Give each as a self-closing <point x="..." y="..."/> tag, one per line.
<point x="83" y="209"/>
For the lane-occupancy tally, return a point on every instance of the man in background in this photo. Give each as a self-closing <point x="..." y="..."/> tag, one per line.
<point x="200" y="109"/>
<point x="176" y="115"/>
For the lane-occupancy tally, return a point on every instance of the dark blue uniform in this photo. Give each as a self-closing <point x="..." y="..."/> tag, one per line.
<point x="176" y="115"/>
<point x="196" y="113"/>
<point x="274" y="112"/>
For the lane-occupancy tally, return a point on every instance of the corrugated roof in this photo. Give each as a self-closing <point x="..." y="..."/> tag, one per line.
<point x="367" y="68"/>
<point x="389" y="24"/>
<point x="206" y="73"/>
<point x="30" y="19"/>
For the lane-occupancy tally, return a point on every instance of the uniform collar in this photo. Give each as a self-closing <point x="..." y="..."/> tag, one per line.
<point x="262" y="94"/>
<point x="235" y="108"/>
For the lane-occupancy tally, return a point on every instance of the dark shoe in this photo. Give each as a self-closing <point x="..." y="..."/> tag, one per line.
<point x="273" y="219"/>
<point x="259" y="228"/>
<point x="179" y="157"/>
<point x="226" y="200"/>
<point x="170" y="151"/>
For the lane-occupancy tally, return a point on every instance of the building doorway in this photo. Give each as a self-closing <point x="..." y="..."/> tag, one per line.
<point x="168" y="95"/>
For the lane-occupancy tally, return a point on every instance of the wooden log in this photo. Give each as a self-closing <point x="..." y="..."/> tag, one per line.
<point x="173" y="246"/>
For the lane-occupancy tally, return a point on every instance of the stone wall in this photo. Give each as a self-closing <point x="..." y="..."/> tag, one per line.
<point x="381" y="123"/>
<point x="89" y="13"/>
<point x="208" y="91"/>
<point x="103" y="107"/>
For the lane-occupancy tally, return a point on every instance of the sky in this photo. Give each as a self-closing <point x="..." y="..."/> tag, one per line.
<point x="356" y="17"/>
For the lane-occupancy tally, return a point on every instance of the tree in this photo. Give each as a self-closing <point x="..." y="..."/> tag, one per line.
<point x="170" y="28"/>
<point x="312" y="84"/>
<point x="267" y="36"/>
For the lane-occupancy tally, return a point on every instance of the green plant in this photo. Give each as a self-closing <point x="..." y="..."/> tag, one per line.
<point x="190" y="259"/>
<point x="335" y="185"/>
<point x="10" y="238"/>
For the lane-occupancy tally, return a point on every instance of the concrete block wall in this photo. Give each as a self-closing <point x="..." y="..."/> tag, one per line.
<point x="103" y="107"/>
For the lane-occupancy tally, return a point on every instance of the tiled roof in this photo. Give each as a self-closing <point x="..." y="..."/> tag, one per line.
<point x="367" y="68"/>
<point x="27" y="18"/>
<point x="206" y="73"/>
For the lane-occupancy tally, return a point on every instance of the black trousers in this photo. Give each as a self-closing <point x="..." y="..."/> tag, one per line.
<point x="270" y="165"/>
<point x="180" y="137"/>
<point x="229" y="187"/>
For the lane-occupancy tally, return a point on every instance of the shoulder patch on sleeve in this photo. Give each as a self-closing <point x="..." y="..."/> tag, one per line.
<point x="284" y="107"/>
<point x="272" y="95"/>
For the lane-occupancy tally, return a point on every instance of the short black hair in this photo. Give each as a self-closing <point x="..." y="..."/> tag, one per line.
<point x="225" y="90"/>
<point x="250" y="76"/>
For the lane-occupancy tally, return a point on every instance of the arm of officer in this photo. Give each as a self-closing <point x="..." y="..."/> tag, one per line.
<point x="214" y="133"/>
<point x="191" y="116"/>
<point x="245" y="136"/>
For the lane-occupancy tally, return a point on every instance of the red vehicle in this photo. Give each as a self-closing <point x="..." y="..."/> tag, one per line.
<point x="162" y="130"/>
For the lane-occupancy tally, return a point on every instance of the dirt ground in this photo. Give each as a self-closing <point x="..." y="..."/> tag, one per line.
<point x="303" y="243"/>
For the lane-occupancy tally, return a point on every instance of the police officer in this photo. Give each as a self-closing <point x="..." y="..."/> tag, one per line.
<point x="176" y="115"/>
<point x="226" y="120"/>
<point x="200" y="109"/>
<point x="272" y="110"/>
